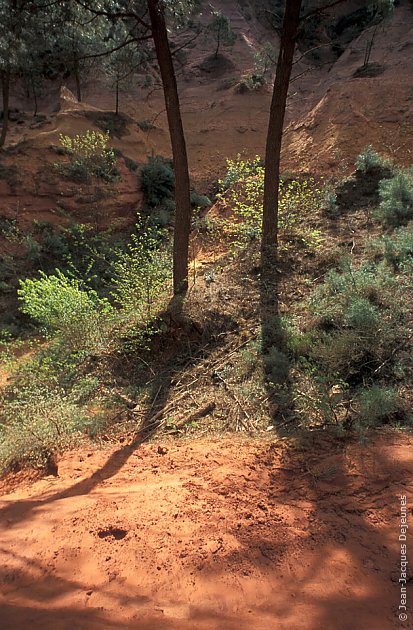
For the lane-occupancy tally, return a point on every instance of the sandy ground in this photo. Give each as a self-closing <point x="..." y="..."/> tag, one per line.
<point x="210" y="534"/>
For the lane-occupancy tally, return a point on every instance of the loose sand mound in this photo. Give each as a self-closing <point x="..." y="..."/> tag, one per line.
<point x="228" y="534"/>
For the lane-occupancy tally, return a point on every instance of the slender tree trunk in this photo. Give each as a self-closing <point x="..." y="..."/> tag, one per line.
<point x="77" y="78"/>
<point x="5" y="85"/>
<point x="218" y="43"/>
<point x="275" y="131"/>
<point x="34" y="94"/>
<point x="117" y="97"/>
<point x="369" y="46"/>
<point x="180" y="159"/>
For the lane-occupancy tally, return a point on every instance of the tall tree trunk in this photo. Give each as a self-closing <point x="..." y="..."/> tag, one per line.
<point x="275" y="130"/>
<point x="180" y="159"/>
<point x="117" y="97"/>
<point x="77" y="78"/>
<point x="218" y="43"/>
<point x="33" y="82"/>
<point x="5" y="86"/>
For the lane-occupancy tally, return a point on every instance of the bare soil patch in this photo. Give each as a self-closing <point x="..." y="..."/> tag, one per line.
<point x="226" y="533"/>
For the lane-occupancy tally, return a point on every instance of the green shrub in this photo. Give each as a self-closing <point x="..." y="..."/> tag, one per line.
<point x="376" y="404"/>
<point x="369" y="160"/>
<point x="240" y="169"/>
<point x="319" y="399"/>
<point x="116" y="125"/>
<point x="130" y="164"/>
<point x="199" y="201"/>
<point x="89" y="157"/>
<point x="396" y="199"/>
<point x="331" y="300"/>
<point x="251" y="82"/>
<point x="329" y="201"/>
<point x="397" y="249"/>
<point x="360" y="333"/>
<point x="360" y="313"/>
<point x="157" y="181"/>
<point x="265" y="59"/>
<point x="298" y="199"/>
<point x="140" y="273"/>
<point x="61" y="305"/>
<point x="36" y="424"/>
<point x="10" y="230"/>
<point x="146" y="125"/>
<point x="276" y="365"/>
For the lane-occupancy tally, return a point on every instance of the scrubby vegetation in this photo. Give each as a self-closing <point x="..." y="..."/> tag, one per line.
<point x="396" y="199"/>
<point x="242" y="192"/>
<point x="89" y="156"/>
<point x="47" y="405"/>
<point x="336" y="352"/>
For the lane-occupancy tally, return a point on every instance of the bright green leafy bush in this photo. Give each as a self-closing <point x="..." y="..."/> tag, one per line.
<point x="63" y="306"/>
<point x="89" y="157"/>
<point x="244" y="189"/>
<point x="140" y="273"/>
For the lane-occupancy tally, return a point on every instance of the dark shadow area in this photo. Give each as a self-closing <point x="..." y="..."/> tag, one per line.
<point x="361" y="190"/>
<point x="182" y="344"/>
<point x="369" y="70"/>
<point x="317" y="526"/>
<point x="216" y="66"/>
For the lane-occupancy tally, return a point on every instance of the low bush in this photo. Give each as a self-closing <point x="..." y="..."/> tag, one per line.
<point x="240" y="169"/>
<point x="45" y="404"/>
<point x="116" y="125"/>
<point x="251" y="82"/>
<point x="376" y="403"/>
<point x="157" y="181"/>
<point x="199" y="201"/>
<point x="396" y="248"/>
<point x="63" y="306"/>
<point x="146" y="125"/>
<point x="89" y="157"/>
<point x="359" y="319"/>
<point x="396" y="200"/>
<point x="243" y="193"/>
<point x="369" y="160"/>
<point x="140" y="273"/>
<point x="36" y="424"/>
<point x="350" y="359"/>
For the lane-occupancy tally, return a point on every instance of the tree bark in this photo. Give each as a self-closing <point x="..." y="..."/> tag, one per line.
<point x="179" y="153"/>
<point x="5" y="85"/>
<point x="218" y="43"/>
<point x="275" y="131"/>
<point x="77" y="78"/>
<point x="117" y="98"/>
<point x="34" y="94"/>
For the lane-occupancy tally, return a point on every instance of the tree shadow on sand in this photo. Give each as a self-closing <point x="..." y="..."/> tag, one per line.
<point x="184" y="344"/>
<point x="313" y="534"/>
